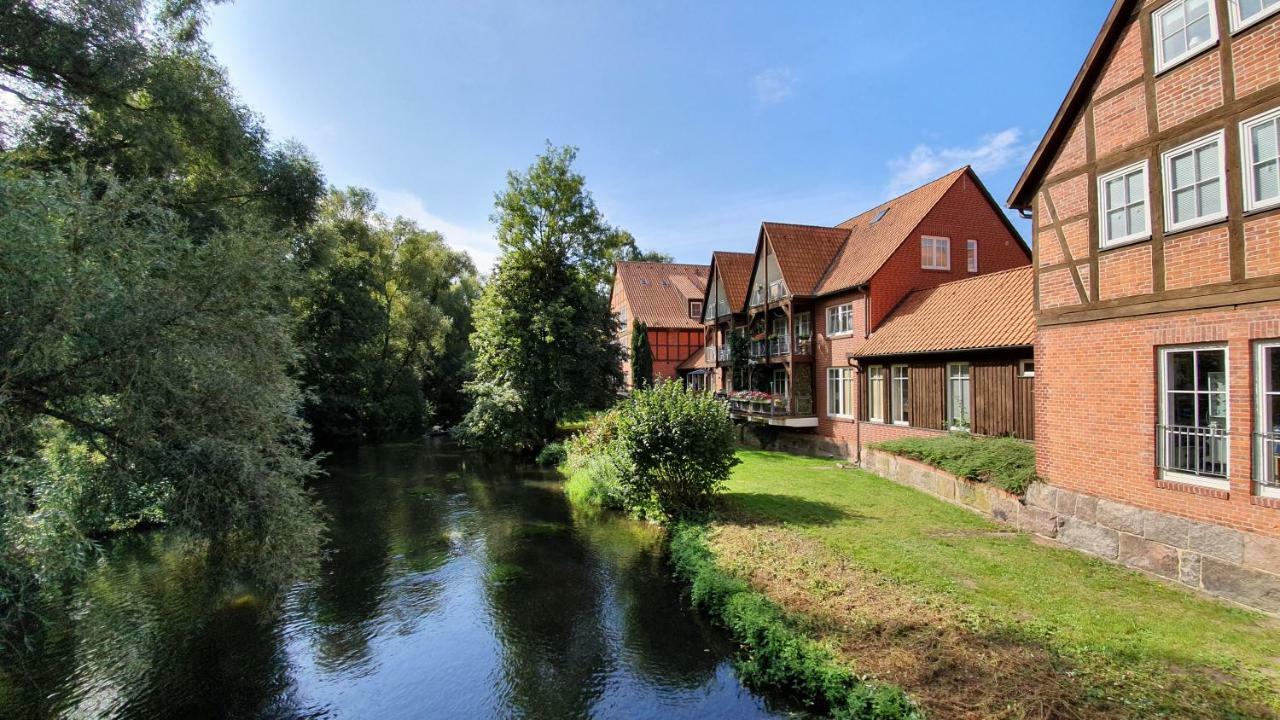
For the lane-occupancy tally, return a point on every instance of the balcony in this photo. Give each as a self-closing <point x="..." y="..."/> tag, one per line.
<point x="775" y="291"/>
<point x="780" y="346"/>
<point x="1266" y="476"/>
<point x="723" y="353"/>
<point x="709" y="354"/>
<point x="783" y="410"/>
<point x="1193" y="454"/>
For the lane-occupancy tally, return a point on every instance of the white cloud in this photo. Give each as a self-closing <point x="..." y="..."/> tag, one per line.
<point x="926" y="162"/>
<point x="774" y="85"/>
<point x="479" y="243"/>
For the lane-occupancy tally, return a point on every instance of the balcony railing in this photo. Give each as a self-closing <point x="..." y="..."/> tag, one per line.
<point x="1267" y="453"/>
<point x="780" y="346"/>
<point x="1191" y="450"/>
<point x="777" y="290"/>
<point x="723" y="353"/>
<point x="709" y="354"/>
<point x="769" y="406"/>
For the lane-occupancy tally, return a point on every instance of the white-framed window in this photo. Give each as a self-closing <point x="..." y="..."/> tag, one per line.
<point x="1122" y="206"/>
<point x="695" y="309"/>
<point x="1182" y="29"/>
<point x="1247" y="12"/>
<point x="899" y="395"/>
<point x="1194" y="192"/>
<point x="972" y="247"/>
<point x="875" y="393"/>
<point x="1266" y="443"/>
<point x="840" y="392"/>
<point x="935" y="253"/>
<point x="840" y="319"/>
<point x="779" y="386"/>
<point x="959" y="396"/>
<point x="1260" y="145"/>
<point x="804" y="326"/>
<point x="1192" y="441"/>
<point x="1026" y="368"/>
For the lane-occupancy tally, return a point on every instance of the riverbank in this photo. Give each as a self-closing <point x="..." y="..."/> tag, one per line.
<point x="974" y="621"/>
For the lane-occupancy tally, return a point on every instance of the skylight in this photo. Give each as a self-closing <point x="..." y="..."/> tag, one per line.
<point x="880" y="215"/>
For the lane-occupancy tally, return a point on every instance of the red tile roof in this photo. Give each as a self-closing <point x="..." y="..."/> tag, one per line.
<point x="735" y="271"/>
<point x="871" y="241"/>
<point x="987" y="311"/>
<point x="658" y="294"/>
<point x="803" y="252"/>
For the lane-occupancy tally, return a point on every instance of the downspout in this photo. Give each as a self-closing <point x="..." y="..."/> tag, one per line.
<point x="857" y="417"/>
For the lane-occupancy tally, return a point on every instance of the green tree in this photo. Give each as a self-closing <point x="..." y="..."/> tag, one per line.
<point x="385" y="316"/>
<point x="641" y="356"/>
<point x="544" y="336"/>
<point x="147" y="234"/>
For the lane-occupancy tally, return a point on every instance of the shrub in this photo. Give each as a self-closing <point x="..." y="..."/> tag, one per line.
<point x="776" y="654"/>
<point x="551" y="455"/>
<point x="596" y="466"/>
<point x="1007" y="463"/>
<point x="678" y="445"/>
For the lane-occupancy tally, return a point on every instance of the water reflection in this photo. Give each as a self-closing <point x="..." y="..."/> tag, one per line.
<point x="455" y="586"/>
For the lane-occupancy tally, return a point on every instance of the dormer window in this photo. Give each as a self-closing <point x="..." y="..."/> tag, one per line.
<point x="695" y="309"/>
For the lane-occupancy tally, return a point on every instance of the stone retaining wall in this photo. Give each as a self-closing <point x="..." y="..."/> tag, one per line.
<point x="1220" y="561"/>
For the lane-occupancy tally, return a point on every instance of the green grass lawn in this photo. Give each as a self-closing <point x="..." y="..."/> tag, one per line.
<point x="1124" y="629"/>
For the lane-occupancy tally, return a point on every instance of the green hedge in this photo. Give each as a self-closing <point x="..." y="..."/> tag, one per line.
<point x="776" y="654"/>
<point x="1007" y="463"/>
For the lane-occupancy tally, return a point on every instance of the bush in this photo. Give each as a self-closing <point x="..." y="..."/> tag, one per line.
<point x="1007" y="463"/>
<point x="678" y="445"/>
<point x="595" y="464"/>
<point x="778" y="655"/>
<point x="551" y="455"/>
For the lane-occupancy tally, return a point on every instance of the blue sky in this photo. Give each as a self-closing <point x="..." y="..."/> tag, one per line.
<point x="695" y="121"/>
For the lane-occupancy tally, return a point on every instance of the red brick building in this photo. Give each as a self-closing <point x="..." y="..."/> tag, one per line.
<point x="668" y="298"/>
<point x="814" y="296"/>
<point x="1156" y="207"/>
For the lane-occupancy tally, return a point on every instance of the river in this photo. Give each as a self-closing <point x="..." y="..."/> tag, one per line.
<point x="455" y="586"/>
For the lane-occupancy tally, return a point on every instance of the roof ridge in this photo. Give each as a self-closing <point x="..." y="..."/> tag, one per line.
<point x="803" y="225"/>
<point x="898" y="197"/>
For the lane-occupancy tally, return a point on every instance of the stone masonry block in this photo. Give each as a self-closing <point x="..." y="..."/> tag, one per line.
<point x="1189" y="568"/>
<point x="1146" y="555"/>
<point x="1244" y="585"/>
<point x="1066" y="503"/>
<point x="947" y="487"/>
<point x="1002" y="507"/>
<point x="1041" y="495"/>
<point x="1039" y="521"/>
<point x="1119" y="516"/>
<point x="1091" y="538"/>
<point x="1168" y="529"/>
<point x="1087" y="508"/>
<point x="1262" y="553"/>
<point x="1220" y="542"/>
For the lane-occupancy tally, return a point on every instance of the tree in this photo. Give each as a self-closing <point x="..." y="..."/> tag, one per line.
<point x="146" y="265"/>
<point x="385" y="316"/>
<point x="544" y="336"/>
<point x="641" y="356"/>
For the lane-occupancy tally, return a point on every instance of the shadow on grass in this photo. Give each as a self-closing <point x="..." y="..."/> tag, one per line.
<point x="771" y="509"/>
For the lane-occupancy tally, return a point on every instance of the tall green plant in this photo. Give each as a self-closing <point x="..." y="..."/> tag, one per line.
<point x="641" y="356"/>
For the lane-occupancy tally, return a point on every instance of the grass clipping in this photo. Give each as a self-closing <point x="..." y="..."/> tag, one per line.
<point x="777" y="654"/>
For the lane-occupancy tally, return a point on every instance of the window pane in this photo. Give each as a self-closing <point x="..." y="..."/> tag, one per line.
<point x="1115" y="193"/>
<point x="1207" y="161"/>
<point x="1181" y="371"/>
<point x="1197" y="9"/>
<point x="1273" y="371"/>
<point x="1273" y="402"/>
<point x="1174" y="45"/>
<point x="1134" y="182"/>
<point x="1198" y="31"/>
<point x="1116" y="224"/>
<point x="1182" y="409"/>
<point x="1184" y="205"/>
<point x="1266" y="183"/>
<point x="1171" y="22"/>
<point x="1138" y="219"/>
<point x="1182" y="170"/>
<point x="1211" y="370"/>
<point x="1249" y="8"/>
<point x="1263" y="138"/>
<point x="1211" y="197"/>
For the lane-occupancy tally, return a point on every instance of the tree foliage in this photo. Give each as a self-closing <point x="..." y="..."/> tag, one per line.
<point x="385" y="314"/>
<point x="544" y="339"/>
<point x="641" y="356"/>
<point x="148" y="229"/>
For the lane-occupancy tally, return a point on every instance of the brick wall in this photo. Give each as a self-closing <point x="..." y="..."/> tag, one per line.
<point x="1188" y="90"/>
<point x="1096" y="411"/>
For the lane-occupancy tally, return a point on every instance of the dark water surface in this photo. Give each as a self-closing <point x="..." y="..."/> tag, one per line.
<point x="457" y="587"/>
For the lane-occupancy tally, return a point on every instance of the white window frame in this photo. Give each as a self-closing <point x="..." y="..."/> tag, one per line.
<point x="1240" y="23"/>
<point x="934" y="244"/>
<point x="1166" y="162"/>
<point x="1024" y="364"/>
<point x="968" y="376"/>
<point x="1163" y="400"/>
<point x="971" y="261"/>
<point x="692" y="305"/>
<point x="875" y="393"/>
<point x="843" y="377"/>
<point x="805" y="328"/>
<point x="843" y="310"/>
<point x="1261" y="419"/>
<point x="1163" y="63"/>
<point x="1246" y="158"/>
<point x="898" y="405"/>
<point x="1106" y="241"/>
